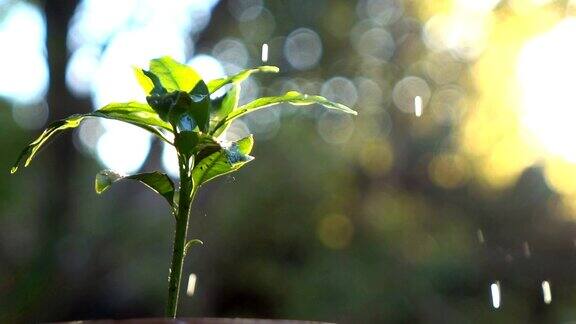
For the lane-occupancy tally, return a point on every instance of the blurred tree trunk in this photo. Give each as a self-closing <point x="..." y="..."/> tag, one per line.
<point x="49" y="273"/>
<point x="61" y="104"/>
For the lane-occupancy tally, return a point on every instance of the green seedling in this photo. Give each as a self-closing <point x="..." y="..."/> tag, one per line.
<point x="181" y="112"/>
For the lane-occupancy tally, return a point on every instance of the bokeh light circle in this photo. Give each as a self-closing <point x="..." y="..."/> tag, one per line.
<point x="335" y="128"/>
<point x="232" y="54"/>
<point x="340" y="89"/>
<point x="407" y="89"/>
<point x="303" y="49"/>
<point x="123" y="148"/>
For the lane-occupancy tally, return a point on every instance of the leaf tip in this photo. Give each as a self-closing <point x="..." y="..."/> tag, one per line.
<point x="190" y="243"/>
<point x="99" y="187"/>
<point x="270" y="69"/>
<point x="104" y="180"/>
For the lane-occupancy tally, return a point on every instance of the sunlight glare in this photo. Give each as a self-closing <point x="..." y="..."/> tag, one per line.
<point x="114" y="80"/>
<point x="123" y="148"/>
<point x="207" y="66"/>
<point x="476" y="6"/>
<point x="170" y="160"/>
<point x="546" y="73"/>
<point x="130" y="35"/>
<point x="23" y="62"/>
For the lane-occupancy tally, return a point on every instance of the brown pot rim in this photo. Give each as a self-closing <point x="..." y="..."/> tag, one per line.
<point x="193" y="320"/>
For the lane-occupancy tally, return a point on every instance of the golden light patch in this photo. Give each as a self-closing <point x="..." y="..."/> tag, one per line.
<point x="448" y="171"/>
<point x="376" y="158"/>
<point x="335" y="231"/>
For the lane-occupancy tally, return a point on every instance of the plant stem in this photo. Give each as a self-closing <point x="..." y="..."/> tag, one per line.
<point x="187" y="192"/>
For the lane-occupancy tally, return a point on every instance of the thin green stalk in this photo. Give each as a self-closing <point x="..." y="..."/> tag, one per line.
<point x="187" y="193"/>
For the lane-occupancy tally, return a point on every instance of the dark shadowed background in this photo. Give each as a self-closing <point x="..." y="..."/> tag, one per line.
<point x="461" y="215"/>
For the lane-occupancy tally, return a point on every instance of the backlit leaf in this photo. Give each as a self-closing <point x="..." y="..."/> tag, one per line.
<point x="53" y="129"/>
<point x="157" y="181"/>
<point x="206" y="146"/>
<point x="200" y="108"/>
<point x="134" y="113"/>
<point x="291" y="97"/>
<point x="239" y="77"/>
<point x="224" y="161"/>
<point x="223" y="106"/>
<point x="143" y="80"/>
<point x="174" y="75"/>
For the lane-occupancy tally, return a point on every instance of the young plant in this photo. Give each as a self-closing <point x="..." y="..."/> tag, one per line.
<point x="181" y="112"/>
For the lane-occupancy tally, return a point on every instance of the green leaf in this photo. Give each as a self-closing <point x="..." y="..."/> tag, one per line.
<point x="206" y="146"/>
<point x="224" y="161"/>
<point x="191" y="243"/>
<point x="174" y="75"/>
<point x="157" y="88"/>
<point x="184" y="111"/>
<point x="196" y="144"/>
<point x="223" y="106"/>
<point x="162" y="103"/>
<point x="200" y="108"/>
<point x="239" y="77"/>
<point x="144" y="81"/>
<point x="294" y="98"/>
<point x="291" y="97"/>
<point x="186" y="142"/>
<point x="134" y="113"/>
<point x="157" y="181"/>
<point x="179" y="112"/>
<point x="53" y="129"/>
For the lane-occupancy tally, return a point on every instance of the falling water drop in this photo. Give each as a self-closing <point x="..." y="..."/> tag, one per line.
<point x="264" y="53"/>
<point x="480" y="235"/>
<point x="546" y="292"/>
<point x="418" y="106"/>
<point x="191" y="285"/>
<point x="527" y="252"/>
<point x="495" y="292"/>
